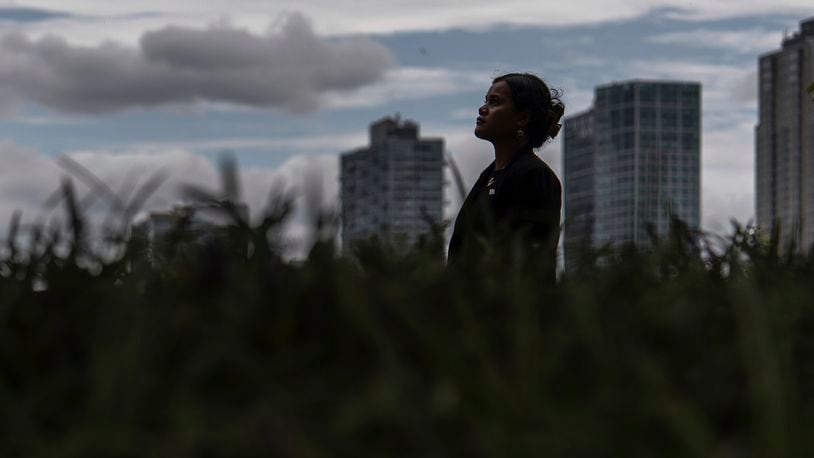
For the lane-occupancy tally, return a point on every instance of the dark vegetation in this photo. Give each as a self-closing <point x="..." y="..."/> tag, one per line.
<point x="224" y="349"/>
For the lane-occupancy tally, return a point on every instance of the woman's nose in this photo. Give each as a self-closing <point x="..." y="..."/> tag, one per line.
<point x="482" y="109"/>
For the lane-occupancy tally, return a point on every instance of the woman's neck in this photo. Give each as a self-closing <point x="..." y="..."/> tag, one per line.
<point x="504" y="153"/>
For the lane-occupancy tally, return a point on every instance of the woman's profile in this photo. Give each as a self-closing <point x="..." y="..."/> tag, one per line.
<point x="514" y="207"/>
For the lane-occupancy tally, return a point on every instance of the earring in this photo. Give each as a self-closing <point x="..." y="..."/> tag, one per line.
<point x="520" y="133"/>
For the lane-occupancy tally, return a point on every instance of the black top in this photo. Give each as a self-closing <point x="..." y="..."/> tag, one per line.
<point x="520" y="203"/>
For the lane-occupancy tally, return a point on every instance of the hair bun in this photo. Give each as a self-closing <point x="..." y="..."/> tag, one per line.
<point x="557" y="109"/>
<point x="554" y="130"/>
<point x="555" y="112"/>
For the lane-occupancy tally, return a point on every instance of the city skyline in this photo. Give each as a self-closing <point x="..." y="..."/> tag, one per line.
<point x="435" y="72"/>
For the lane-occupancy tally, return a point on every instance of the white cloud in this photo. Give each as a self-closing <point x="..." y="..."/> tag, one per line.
<point x="745" y="90"/>
<point x="21" y="181"/>
<point x="575" y="97"/>
<point x="290" y="68"/>
<point x="409" y="83"/>
<point x="722" y="83"/>
<point x="30" y="178"/>
<point x="748" y="41"/>
<point x="97" y="21"/>
<point x="314" y="181"/>
<point x="305" y="144"/>
<point x="94" y="30"/>
<point x="466" y="113"/>
<point x="700" y="10"/>
<point x="384" y="16"/>
<point x="728" y="176"/>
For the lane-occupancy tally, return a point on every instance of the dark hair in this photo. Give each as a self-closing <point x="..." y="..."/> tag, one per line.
<point x="530" y="93"/>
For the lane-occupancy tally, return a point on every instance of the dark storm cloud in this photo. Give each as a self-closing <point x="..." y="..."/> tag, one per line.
<point x="291" y="69"/>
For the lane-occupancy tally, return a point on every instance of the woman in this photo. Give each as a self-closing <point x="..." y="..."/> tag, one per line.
<point x="513" y="209"/>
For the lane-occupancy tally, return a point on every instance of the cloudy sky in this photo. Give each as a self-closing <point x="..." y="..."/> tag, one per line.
<point x="128" y="88"/>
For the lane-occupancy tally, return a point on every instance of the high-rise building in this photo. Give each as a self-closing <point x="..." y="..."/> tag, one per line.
<point x="579" y="178"/>
<point x="784" y="178"/>
<point x="632" y="161"/>
<point x="392" y="188"/>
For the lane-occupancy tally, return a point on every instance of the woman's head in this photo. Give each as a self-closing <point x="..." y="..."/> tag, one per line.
<point x="522" y="105"/>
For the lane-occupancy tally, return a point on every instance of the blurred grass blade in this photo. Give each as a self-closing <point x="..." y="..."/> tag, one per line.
<point x="90" y="180"/>
<point x="145" y="191"/>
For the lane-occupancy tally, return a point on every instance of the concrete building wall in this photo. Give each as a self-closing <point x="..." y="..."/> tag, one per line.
<point x="393" y="188"/>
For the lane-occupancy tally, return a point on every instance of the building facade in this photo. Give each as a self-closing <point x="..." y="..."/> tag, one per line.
<point x="784" y="143"/>
<point x="579" y="179"/>
<point x="392" y="188"/>
<point x="631" y="162"/>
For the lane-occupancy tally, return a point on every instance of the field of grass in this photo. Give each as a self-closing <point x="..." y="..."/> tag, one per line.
<point x="224" y="349"/>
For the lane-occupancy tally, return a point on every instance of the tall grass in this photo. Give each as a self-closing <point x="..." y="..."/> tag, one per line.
<point x="225" y="349"/>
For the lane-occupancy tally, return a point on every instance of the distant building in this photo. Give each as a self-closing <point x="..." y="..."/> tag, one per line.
<point x="197" y="222"/>
<point x="630" y="162"/>
<point x="392" y="188"/>
<point x="784" y="163"/>
<point x="578" y="179"/>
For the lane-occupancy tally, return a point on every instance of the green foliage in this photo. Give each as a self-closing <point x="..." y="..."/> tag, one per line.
<point x="811" y="89"/>
<point x="225" y="349"/>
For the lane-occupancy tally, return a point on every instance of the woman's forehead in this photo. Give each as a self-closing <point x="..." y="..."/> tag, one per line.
<point x="499" y="88"/>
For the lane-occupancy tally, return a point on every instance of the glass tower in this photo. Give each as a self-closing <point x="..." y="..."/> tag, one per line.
<point x="632" y="162"/>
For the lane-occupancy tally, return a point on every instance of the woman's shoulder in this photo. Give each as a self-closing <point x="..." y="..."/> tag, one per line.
<point x="530" y="166"/>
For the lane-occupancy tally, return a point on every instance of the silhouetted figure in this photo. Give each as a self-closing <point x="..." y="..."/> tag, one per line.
<point x="513" y="210"/>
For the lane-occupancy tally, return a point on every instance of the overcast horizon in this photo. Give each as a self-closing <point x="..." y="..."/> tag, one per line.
<point x="127" y="89"/>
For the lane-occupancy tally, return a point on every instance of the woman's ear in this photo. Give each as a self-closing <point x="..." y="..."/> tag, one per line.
<point x="523" y="119"/>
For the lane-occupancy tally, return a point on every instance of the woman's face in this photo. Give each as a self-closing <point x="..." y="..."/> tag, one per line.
<point x="497" y="118"/>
